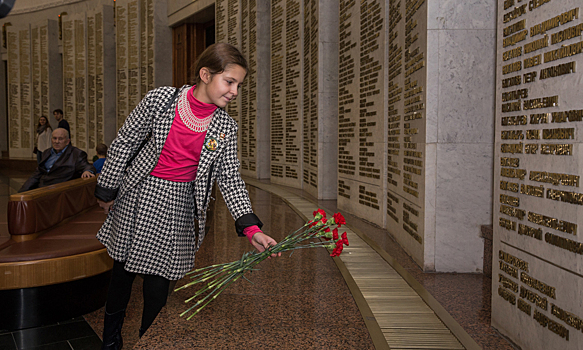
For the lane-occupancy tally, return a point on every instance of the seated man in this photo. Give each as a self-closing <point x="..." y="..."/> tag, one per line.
<point x="61" y="163"/>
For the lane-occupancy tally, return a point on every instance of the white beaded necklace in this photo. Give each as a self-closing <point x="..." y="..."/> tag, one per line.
<point x="188" y="118"/>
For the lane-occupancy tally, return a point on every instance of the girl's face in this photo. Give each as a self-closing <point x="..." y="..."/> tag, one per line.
<point x="222" y="88"/>
<point x="42" y="121"/>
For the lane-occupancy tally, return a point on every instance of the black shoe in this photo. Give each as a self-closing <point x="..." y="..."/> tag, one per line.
<point x="112" y="330"/>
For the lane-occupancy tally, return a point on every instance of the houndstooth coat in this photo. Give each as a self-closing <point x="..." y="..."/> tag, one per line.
<point x="220" y="165"/>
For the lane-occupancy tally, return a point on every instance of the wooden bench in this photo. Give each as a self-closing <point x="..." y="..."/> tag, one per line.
<point x="52" y="267"/>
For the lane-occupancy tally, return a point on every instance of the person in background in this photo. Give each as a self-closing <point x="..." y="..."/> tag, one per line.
<point x="58" y="114"/>
<point x="42" y="141"/>
<point x="101" y="150"/>
<point x="60" y="163"/>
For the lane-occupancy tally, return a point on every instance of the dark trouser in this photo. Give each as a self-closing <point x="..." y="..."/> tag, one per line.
<point x="155" y="290"/>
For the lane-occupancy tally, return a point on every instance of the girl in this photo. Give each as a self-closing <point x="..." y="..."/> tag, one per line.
<point x="43" y="137"/>
<point x="156" y="182"/>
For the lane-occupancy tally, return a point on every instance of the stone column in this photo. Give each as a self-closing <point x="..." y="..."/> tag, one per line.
<point x="425" y="118"/>
<point x="537" y="248"/>
<point x="458" y="137"/>
<point x="320" y="97"/>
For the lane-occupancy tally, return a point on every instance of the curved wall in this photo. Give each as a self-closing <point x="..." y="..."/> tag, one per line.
<point x="95" y="63"/>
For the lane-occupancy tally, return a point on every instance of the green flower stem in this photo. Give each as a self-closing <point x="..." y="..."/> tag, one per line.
<point x="219" y="276"/>
<point x="216" y="294"/>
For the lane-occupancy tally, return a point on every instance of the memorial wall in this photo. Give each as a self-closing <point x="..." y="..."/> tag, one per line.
<point x="286" y="85"/>
<point x="291" y="88"/>
<point x="31" y="50"/>
<point x="70" y="63"/>
<point x="246" y="25"/>
<point x="88" y="78"/>
<point x="537" y="261"/>
<point x="143" y="53"/>
<point x="414" y="148"/>
<point x="361" y="109"/>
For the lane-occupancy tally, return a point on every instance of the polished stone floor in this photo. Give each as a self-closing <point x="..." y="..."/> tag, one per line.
<point x="295" y="302"/>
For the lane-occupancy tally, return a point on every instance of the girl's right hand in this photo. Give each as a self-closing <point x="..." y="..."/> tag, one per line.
<point x="105" y="205"/>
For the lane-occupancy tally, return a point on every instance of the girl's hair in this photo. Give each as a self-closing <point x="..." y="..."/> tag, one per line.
<point x="216" y="58"/>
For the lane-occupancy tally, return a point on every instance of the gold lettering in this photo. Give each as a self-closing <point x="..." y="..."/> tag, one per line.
<point x="507" y="224"/>
<point x="538" y="285"/>
<point x="513" y="201"/>
<point x="511" y="259"/>
<point x="550" y="222"/>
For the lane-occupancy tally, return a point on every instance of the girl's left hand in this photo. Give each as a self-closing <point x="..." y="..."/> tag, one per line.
<point x="261" y="241"/>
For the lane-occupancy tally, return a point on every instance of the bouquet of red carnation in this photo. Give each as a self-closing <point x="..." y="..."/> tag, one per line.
<point x="219" y="277"/>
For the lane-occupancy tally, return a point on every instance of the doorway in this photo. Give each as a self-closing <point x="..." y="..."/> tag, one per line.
<point x="189" y="40"/>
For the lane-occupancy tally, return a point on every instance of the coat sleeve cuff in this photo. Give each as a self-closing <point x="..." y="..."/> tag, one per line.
<point x="245" y="221"/>
<point x="105" y="194"/>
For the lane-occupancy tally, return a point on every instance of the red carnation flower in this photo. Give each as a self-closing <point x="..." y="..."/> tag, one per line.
<point x="335" y="234"/>
<point x="339" y="219"/>
<point x="345" y="238"/>
<point x="319" y="211"/>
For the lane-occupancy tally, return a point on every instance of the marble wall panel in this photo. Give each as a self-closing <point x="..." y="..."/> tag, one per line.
<point x="465" y="99"/>
<point x="440" y="116"/>
<point x="79" y="131"/>
<point x="221" y="22"/>
<point x="26" y="119"/>
<point x="36" y="72"/>
<point x="310" y="94"/>
<point x="122" y="95"/>
<point x="245" y="24"/>
<point x="75" y="77"/>
<point x="278" y="93"/>
<point x="461" y="14"/>
<point x="537" y="304"/>
<point x="30" y="52"/>
<point x="92" y="28"/>
<point x="134" y="28"/>
<point x="143" y="59"/>
<point x="362" y="109"/>
<point x="14" y="93"/>
<point x="106" y="77"/>
<point x="263" y="45"/>
<point x="286" y="92"/>
<point x="348" y="79"/>
<point x="537" y="201"/>
<point x="100" y="78"/>
<point x="159" y="40"/>
<point x="407" y="43"/>
<point x="459" y="213"/>
<point x="52" y="70"/>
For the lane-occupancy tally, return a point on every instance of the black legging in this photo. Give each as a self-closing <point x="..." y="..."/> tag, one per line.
<point x="155" y="290"/>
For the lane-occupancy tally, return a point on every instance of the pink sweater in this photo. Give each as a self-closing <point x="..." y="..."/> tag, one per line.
<point x="181" y="153"/>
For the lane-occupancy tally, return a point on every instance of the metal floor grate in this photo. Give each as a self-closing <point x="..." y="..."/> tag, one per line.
<point x="405" y="319"/>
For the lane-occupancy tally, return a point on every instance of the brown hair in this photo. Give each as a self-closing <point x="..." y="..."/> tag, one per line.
<point x="101" y="149"/>
<point x="216" y="58"/>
